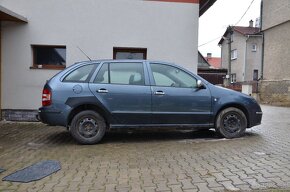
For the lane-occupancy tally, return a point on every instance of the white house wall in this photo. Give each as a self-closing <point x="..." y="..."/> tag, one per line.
<point x="168" y="30"/>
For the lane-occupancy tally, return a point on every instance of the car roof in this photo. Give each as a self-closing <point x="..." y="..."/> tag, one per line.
<point x="121" y="60"/>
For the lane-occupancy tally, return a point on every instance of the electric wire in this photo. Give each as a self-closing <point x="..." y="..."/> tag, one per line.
<point x="235" y="25"/>
<point x="245" y="12"/>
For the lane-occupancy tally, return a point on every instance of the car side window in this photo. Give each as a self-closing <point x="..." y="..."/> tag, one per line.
<point x="80" y="74"/>
<point x="121" y="73"/>
<point x="169" y="76"/>
<point x="103" y="74"/>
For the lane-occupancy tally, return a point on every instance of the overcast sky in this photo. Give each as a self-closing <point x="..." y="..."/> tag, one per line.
<point x="213" y="23"/>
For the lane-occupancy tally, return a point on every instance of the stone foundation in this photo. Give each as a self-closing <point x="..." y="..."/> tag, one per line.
<point x="19" y="115"/>
<point x="275" y="92"/>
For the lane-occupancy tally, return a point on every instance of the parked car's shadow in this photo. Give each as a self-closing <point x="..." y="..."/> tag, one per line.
<point x="63" y="138"/>
<point x="160" y="135"/>
<point x="144" y="136"/>
<point x="129" y="136"/>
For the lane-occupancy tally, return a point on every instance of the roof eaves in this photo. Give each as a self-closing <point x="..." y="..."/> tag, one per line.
<point x="204" y="5"/>
<point x="224" y="35"/>
<point x="8" y="15"/>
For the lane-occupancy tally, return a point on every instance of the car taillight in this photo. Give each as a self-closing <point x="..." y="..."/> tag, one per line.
<point x="46" y="97"/>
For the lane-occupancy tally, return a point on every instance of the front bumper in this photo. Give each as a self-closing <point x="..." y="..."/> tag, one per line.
<point x="255" y="118"/>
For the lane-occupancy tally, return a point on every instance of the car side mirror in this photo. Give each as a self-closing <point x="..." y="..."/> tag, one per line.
<point x="200" y="85"/>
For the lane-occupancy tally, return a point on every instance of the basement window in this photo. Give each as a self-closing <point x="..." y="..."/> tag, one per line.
<point x="49" y="56"/>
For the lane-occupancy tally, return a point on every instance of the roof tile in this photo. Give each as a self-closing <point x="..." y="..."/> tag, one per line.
<point x="247" y="30"/>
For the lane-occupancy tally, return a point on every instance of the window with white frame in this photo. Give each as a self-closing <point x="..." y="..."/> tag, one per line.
<point x="234" y="54"/>
<point x="254" y="47"/>
<point x="233" y="78"/>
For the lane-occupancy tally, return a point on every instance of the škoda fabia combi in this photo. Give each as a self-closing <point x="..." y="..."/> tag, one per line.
<point x="93" y="97"/>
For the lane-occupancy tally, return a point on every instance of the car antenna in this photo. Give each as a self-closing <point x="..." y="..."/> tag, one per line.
<point x="84" y="53"/>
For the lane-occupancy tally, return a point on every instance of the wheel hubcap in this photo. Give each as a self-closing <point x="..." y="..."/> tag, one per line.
<point x="88" y="127"/>
<point x="232" y="123"/>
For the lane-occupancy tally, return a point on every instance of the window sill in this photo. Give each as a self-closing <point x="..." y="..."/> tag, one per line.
<point x="53" y="67"/>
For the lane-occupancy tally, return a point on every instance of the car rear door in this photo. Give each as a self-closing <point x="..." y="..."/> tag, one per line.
<point x="176" y="98"/>
<point x="123" y="89"/>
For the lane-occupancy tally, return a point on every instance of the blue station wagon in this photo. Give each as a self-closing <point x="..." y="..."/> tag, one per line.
<point x="92" y="97"/>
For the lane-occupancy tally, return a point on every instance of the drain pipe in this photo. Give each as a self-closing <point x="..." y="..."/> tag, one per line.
<point x="263" y="39"/>
<point x="245" y="59"/>
<point x="262" y="59"/>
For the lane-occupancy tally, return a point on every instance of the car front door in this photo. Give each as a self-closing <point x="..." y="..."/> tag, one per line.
<point x="122" y="90"/>
<point x="176" y="98"/>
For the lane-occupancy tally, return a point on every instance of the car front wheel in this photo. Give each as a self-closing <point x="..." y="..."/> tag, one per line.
<point x="231" y="123"/>
<point x="88" y="127"/>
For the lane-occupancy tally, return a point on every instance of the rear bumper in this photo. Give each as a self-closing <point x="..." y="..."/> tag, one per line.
<point x="51" y="116"/>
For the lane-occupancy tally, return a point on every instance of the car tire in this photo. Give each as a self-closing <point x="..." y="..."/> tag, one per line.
<point x="231" y="123"/>
<point x="88" y="127"/>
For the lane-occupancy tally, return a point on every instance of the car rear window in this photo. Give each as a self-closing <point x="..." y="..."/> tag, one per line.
<point x="80" y="74"/>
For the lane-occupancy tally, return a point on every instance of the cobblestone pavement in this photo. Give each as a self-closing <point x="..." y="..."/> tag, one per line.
<point x="153" y="161"/>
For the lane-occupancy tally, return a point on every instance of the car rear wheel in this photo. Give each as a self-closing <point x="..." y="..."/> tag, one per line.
<point x="231" y="123"/>
<point x="88" y="127"/>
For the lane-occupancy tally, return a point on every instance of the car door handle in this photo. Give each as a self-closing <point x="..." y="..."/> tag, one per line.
<point x="102" y="90"/>
<point x="159" y="93"/>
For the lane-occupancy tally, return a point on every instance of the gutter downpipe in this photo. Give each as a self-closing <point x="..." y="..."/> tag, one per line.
<point x="263" y="40"/>
<point x="1" y="76"/>
<point x="230" y="29"/>
<point x="262" y="59"/>
<point x="245" y="61"/>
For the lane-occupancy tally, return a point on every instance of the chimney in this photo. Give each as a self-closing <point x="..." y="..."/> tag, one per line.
<point x="257" y="23"/>
<point x="251" y="23"/>
<point x="208" y="56"/>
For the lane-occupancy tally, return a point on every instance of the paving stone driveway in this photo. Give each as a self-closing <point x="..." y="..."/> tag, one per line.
<point x="153" y="161"/>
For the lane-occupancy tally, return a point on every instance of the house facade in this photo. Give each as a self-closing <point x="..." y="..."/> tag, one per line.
<point x="39" y="38"/>
<point x="245" y="61"/>
<point x="275" y="87"/>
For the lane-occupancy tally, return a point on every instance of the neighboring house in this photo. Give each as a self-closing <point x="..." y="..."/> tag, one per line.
<point x="202" y="62"/>
<point x="39" y="38"/>
<point x="246" y="53"/>
<point x="275" y="87"/>
<point x="210" y="73"/>
<point x="215" y="62"/>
